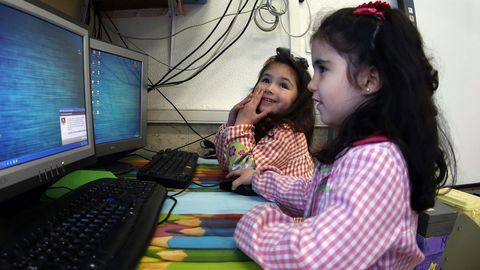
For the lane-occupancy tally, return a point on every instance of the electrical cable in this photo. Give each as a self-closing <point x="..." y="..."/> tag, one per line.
<point x="197" y="67"/>
<point x="190" y="143"/>
<point x="137" y="155"/>
<point x="200" y="185"/>
<point x="113" y="24"/>
<point x="203" y="42"/>
<point x="226" y="48"/>
<point x="179" y="113"/>
<point x="308" y="26"/>
<point x="222" y="38"/>
<point x="148" y="150"/>
<point x="273" y="23"/>
<point x="169" y="211"/>
<point x="180" y="31"/>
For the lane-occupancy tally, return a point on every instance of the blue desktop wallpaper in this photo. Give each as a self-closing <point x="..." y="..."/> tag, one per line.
<point x="41" y="72"/>
<point x="116" y="96"/>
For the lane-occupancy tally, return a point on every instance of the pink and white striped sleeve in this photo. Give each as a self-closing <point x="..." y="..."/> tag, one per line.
<point x="287" y="191"/>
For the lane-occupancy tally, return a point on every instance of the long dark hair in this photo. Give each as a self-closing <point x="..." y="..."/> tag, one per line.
<point x="301" y="116"/>
<point x="403" y="109"/>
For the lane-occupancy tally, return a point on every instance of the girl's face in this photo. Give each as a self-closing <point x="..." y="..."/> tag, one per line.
<point x="279" y="82"/>
<point x="335" y="97"/>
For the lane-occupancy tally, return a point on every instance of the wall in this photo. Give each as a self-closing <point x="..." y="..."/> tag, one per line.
<point x="451" y="33"/>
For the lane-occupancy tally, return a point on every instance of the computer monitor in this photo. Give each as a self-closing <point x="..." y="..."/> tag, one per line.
<point x="119" y="103"/>
<point x="45" y="113"/>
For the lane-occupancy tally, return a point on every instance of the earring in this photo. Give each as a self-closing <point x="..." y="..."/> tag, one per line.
<point x="368" y="90"/>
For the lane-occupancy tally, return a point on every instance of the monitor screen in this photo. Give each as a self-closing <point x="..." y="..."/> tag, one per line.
<point x="119" y="95"/>
<point x="46" y="123"/>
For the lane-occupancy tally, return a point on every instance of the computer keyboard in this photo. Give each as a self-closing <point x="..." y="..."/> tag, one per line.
<point x="104" y="224"/>
<point x="170" y="168"/>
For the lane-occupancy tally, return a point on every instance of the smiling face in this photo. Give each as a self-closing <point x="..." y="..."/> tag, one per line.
<point x="335" y="96"/>
<point x="279" y="82"/>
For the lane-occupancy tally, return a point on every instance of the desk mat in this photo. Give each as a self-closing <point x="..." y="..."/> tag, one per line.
<point x="199" y="232"/>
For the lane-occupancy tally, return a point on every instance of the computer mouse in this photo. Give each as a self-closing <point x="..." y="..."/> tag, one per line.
<point x="245" y="190"/>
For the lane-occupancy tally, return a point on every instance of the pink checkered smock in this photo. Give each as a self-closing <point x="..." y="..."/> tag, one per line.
<point x="281" y="147"/>
<point x="356" y="215"/>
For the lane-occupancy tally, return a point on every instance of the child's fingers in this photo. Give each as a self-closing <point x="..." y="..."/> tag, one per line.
<point x="238" y="182"/>
<point x="257" y="96"/>
<point x="233" y="174"/>
<point x="263" y="114"/>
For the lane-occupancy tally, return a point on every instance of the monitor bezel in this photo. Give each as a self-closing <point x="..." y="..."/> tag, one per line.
<point x="120" y="147"/>
<point x="31" y="175"/>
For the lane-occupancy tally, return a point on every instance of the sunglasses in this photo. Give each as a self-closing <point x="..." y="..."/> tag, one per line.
<point x="299" y="60"/>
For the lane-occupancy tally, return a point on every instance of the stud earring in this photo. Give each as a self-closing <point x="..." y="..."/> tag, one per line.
<point x="368" y="90"/>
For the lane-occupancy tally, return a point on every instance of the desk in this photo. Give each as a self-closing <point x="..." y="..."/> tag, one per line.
<point x="199" y="232"/>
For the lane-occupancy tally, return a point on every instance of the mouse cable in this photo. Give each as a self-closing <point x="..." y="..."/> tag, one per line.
<point x="206" y="186"/>
<point x="169" y="211"/>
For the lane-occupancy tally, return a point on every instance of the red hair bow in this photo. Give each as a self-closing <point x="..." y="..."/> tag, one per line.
<point x="377" y="9"/>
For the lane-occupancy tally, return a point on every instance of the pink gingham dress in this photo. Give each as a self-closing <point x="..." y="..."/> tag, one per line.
<point x="356" y="215"/>
<point x="281" y="147"/>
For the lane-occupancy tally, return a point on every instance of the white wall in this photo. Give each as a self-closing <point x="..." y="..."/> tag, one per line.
<point x="450" y="30"/>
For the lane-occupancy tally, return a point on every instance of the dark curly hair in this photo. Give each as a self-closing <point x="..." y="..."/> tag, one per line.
<point x="403" y="109"/>
<point x="301" y="116"/>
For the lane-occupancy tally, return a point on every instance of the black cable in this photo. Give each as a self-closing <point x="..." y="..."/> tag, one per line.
<point x="200" y="185"/>
<point x="94" y="26"/>
<point x="148" y="150"/>
<point x="181" y="115"/>
<point x="105" y="30"/>
<point x="226" y="48"/>
<point x="209" y="49"/>
<point x="138" y="155"/>
<point x="181" y="191"/>
<point x="114" y="26"/>
<point x="196" y="49"/>
<point x="169" y="211"/>
<point x="190" y="143"/>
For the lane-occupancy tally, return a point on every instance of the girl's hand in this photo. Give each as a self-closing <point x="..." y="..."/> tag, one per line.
<point x="232" y="116"/>
<point x="248" y="114"/>
<point x="244" y="177"/>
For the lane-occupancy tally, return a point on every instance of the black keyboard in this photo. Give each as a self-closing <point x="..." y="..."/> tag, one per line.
<point x="170" y="168"/>
<point x="104" y="224"/>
